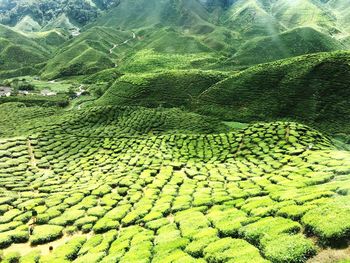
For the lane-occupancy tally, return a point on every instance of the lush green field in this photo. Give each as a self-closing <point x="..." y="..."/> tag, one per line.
<point x="182" y="131"/>
<point x="139" y="185"/>
<point x="312" y="89"/>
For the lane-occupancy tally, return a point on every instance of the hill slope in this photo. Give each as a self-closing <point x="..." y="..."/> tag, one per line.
<point x="88" y="53"/>
<point x="311" y="88"/>
<point x="17" y="50"/>
<point x="296" y="42"/>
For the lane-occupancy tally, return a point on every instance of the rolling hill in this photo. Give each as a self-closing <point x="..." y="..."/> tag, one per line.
<point x="23" y="53"/>
<point x="174" y="131"/>
<point x="90" y="52"/>
<point x="17" y="50"/>
<point x="241" y="34"/>
<point x="167" y="89"/>
<point x="296" y="42"/>
<point x="311" y="88"/>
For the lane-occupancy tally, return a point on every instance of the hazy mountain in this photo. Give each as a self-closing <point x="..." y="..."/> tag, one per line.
<point x="234" y="34"/>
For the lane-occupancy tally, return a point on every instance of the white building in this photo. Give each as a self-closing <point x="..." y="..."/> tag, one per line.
<point x="5" y="91"/>
<point x="47" y="92"/>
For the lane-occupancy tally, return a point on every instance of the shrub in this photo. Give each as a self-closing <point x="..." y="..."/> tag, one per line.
<point x="294" y="212"/>
<point x="85" y="220"/>
<point x="9" y="226"/>
<point x="330" y="221"/>
<point x="45" y="233"/>
<point x="288" y="248"/>
<point x="191" y="222"/>
<point x="12" y="257"/>
<point x="105" y="224"/>
<point x="31" y="257"/>
<point x="168" y="239"/>
<point x="68" y="251"/>
<point x="227" y="220"/>
<point x="19" y="236"/>
<point x="108" y="238"/>
<point x="97" y="211"/>
<point x="229" y="249"/>
<point x="5" y="240"/>
<point x="156" y="224"/>
<point x="90" y="258"/>
<point x="91" y="243"/>
<point x="87" y="228"/>
<point x="269" y="227"/>
<point x="201" y="240"/>
<point x="67" y="218"/>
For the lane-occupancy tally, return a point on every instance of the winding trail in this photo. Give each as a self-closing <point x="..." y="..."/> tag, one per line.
<point x="31" y="153"/>
<point x="123" y="43"/>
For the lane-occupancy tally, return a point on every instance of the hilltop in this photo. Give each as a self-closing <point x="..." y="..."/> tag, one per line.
<point x="235" y="33"/>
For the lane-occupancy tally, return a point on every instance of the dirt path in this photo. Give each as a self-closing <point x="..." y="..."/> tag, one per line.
<point x="123" y="43"/>
<point x="31" y="154"/>
<point x="287" y="132"/>
<point x="331" y="255"/>
<point x="26" y="248"/>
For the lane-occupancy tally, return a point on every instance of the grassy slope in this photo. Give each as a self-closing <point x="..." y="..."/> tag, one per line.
<point x="17" y="50"/>
<point x="169" y="89"/>
<point x="341" y="9"/>
<point x="102" y="168"/>
<point x="186" y="28"/>
<point x="151" y="34"/>
<point x="299" y="41"/>
<point x="27" y="24"/>
<point x="251" y="19"/>
<point x="311" y="88"/>
<point x="88" y="53"/>
<point x="298" y="13"/>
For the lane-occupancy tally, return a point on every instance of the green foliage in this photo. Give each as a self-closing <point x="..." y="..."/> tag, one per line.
<point x="167" y="89"/>
<point x="227" y="249"/>
<point x="133" y="184"/>
<point x="296" y="42"/>
<point x="31" y="257"/>
<point x="67" y="252"/>
<point x="45" y="233"/>
<point x="18" y="51"/>
<point x="149" y="61"/>
<point x="12" y="257"/>
<point x="67" y="218"/>
<point x="269" y="228"/>
<point x="329" y="221"/>
<point x="292" y="90"/>
<point x="289" y="248"/>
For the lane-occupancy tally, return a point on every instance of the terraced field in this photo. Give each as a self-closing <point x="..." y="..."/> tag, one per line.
<point x="129" y="184"/>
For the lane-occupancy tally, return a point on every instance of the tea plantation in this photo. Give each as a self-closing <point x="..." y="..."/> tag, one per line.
<point x="130" y="184"/>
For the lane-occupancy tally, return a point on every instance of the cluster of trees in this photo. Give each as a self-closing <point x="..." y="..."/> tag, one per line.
<point x="43" y="11"/>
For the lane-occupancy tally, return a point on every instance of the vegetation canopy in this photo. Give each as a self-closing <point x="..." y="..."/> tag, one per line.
<point x="174" y="131"/>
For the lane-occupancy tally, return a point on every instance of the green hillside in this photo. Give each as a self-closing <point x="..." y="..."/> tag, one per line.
<point x="163" y="185"/>
<point x="167" y="89"/>
<point x="309" y="13"/>
<point x="174" y="131"/>
<point x="251" y="19"/>
<point x="88" y="53"/>
<point x="311" y="88"/>
<point x="296" y="42"/>
<point x="18" y="51"/>
<point x="244" y="33"/>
